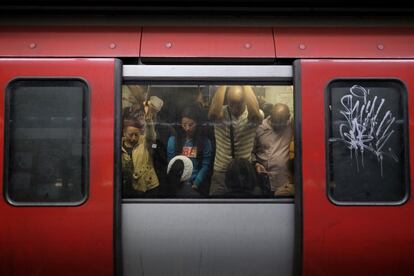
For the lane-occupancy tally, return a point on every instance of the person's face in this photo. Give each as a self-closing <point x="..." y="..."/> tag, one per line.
<point x="236" y="101"/>
<point x="279" y="121"/>
<point x="132" y="134"/>
<point x="189" y="126"/>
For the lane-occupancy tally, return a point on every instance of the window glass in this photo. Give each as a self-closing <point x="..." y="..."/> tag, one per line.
<point x="46" y="141"/>
<point x="367" y="152"/>
<point x="200" y="141"/>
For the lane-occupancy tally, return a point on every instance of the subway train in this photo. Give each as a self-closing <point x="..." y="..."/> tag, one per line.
<point x="63" y="210"/>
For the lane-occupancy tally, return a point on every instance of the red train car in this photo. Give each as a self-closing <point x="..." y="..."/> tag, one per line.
<point x="64" y="210"/>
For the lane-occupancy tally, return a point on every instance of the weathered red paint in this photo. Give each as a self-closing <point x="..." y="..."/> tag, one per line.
<point x="214" y="42"/>
<point x="70" y="41"/>
<point x="65" y="240"/>
<point x="344" y="42"/>
<point x="346" y="240"/>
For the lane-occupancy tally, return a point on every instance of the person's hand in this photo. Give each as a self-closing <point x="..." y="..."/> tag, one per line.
<point x="260" y="168"/>
<point x="151" y="108"/>
<point x="194" y="187"/>
<point x="285" y="190"/>
<point x="149" y="114"/>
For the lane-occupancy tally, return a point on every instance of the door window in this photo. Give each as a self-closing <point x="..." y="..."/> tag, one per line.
<point x="367" y="142"/>
<point x="46" y="156"/>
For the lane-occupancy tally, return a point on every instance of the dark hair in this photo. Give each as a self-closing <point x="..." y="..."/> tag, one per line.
<point x="131" y="123"/>
<point x="133" y="114"/>
<point x="240" y="175"/>
<point x="194" y="113"/>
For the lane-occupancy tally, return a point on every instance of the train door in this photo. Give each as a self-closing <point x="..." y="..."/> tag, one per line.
<point x="57" y="210"/>
<point x="356" y="134"/>
<point x="193" y="232"/>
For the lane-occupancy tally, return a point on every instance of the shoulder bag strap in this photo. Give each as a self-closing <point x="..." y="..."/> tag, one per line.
<point x="231" y="134"/>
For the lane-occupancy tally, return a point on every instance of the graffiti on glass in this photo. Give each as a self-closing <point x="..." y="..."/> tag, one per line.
<point x="368" y="126"/>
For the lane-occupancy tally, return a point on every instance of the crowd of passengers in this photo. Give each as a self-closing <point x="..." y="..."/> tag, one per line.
<point x="232" y="149"/>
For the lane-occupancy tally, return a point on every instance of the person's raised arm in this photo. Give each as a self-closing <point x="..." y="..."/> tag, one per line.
<point x="150" y="135"/>
<point x="216" y="108"/>
<point x="252" y="105"/>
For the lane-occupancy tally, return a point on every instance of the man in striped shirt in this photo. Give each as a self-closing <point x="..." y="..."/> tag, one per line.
<point x="243" y="114"/>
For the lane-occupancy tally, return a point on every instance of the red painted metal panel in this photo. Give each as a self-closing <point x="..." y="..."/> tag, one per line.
<point x="345" y="240"/>
<point x="65" y="240"/>
<point x="344" y="42"/>
<point x="228" y="42"/>
<point x="70" y="41"/>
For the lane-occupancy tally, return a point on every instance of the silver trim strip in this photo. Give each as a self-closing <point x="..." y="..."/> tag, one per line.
<point x="208" y="72"/>
<point x="287" y="200"/>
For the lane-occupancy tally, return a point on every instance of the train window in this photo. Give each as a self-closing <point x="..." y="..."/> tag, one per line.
<point x="46" y="157"/>
<point x="367" y="153"/>
<point x="199" y="141"/>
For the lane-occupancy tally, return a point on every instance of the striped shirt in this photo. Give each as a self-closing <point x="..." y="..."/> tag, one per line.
<point x="244" y="133"/>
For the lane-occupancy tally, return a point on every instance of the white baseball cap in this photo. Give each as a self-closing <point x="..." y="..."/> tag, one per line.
<point x="188" y="166"/>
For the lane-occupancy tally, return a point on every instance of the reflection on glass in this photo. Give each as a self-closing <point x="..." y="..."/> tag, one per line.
<point x="47" y="141"/>
<point x="198" y="141"/>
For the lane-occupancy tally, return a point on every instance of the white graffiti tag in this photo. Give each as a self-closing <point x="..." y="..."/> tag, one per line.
<point x="365" y="130"/>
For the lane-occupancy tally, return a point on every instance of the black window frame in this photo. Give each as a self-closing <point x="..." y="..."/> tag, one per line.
<point x="49" y="81"/>
<point x="406" y="146"/>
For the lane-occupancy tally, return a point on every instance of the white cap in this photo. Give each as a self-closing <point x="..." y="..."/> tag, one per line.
<point x="188" y="166"/>
<point x="156" y="103"/>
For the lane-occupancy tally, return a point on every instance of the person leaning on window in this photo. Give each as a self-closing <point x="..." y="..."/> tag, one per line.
<point x="191" y="142"/>
<point x="234" y="129"/>
<point x="139" y="176"/>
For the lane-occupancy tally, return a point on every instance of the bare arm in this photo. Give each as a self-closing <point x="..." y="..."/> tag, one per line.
<point x="252" y="105"/>
<point x="216" y="107"/>
<point x="150" y="135"/>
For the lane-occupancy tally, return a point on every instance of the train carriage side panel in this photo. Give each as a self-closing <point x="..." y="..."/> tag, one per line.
<point x="356" y="147"/>
<point x="43" y="232"/>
